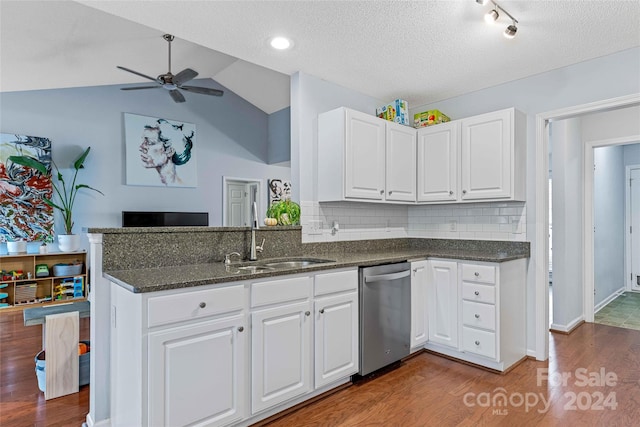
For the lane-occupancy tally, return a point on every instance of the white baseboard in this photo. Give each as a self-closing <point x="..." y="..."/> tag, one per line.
<point x="608" y="299"/>
<point x="91" y="423"/>
<point x="568" y="327"/>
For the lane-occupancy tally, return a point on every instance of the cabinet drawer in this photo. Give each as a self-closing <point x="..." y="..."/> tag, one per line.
<point x="193" y="305"/>
<point x="479" y="293"/>
<point x="479" y="315"/>
<point x="479" y="273"/>
<point x="479" y="342"/>
<point x="283" y="290"/>
<point x="338" y="281"/>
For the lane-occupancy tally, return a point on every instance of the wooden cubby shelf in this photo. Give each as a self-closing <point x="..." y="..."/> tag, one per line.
<point x="23" y="289"/>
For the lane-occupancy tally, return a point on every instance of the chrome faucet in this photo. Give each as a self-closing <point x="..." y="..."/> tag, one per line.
<point x="254" y="227"/>
<point x="227" y="257"/>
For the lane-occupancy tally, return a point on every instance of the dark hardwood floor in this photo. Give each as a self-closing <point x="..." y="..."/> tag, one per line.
<point x="428" y="390"/>
<point x="21" y="402"/>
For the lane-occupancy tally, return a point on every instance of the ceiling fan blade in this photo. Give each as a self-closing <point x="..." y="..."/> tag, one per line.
<point x="140" y="87"/>
<point x="176" y="95"/>
<point x="203" y="90"/>
<point x="184" y="76"/>
<point x="137" y="73"/>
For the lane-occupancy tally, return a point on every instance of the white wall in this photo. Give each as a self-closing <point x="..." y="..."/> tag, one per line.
<point x="609" y="221"/>
<point x="231" y="141"/>
<point x="567" y="160"/>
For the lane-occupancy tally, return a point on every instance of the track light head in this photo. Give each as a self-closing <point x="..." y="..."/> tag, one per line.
<point x="491" y="16"/>
<point x="511" y="30"/>
<point x="481" y="2"/>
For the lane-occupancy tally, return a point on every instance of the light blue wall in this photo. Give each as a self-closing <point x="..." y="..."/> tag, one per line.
<point x="232" y="140"/>
<point x="608" y="215"/>
<point x="279" y="147"/>
<point x="632" y="154"/>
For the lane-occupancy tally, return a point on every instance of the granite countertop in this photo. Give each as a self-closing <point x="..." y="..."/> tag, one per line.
<point x="186" y="276"/>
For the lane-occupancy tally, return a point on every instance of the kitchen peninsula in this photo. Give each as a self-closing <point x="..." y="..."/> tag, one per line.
<point x="170" y="318"/>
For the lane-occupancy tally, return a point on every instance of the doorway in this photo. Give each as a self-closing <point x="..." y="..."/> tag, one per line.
<point x="540" y="251"/>
<point x="238" y="197"/>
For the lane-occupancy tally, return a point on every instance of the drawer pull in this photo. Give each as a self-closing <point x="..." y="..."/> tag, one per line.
<point x="203" y="304"/>
<point x="322" y="311"/>
<point x="477" y="293"/>
<point x="477" y="316"/>
<point x="477" y="274"/>
<point x="477" y="342"/>
<point x="307" y="313"/>
<point x="240" y="328"/>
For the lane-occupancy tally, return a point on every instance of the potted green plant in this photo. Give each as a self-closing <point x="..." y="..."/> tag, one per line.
<point x="285" y="212"/>
<point x="66" y="194"/>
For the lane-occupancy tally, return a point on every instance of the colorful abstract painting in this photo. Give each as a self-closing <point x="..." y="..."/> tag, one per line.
<point x="23" y="213"/>
<point x="160" y="152"/>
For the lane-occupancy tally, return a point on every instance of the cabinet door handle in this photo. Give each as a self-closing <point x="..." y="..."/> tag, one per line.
<point x="451" y="193"/>
<point x="322" y="311"/>
<point x="390" y="192"/>
<point x="464" y="191"/>
<point x="240" y="328"/>
<point x="203" y="304"/>
<point x="382" y="192"/>
<point x="477" y="293"/>
<point x="476" y="274"/>
<point x="477" y="316"/>
<point x="307" y="313"/>
<point x="477" y="342"/>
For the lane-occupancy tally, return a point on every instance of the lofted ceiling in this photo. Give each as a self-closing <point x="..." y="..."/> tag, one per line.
<point x="421" y="51"/>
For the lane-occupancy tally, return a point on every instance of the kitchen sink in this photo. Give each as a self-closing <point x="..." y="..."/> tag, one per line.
<point x="255" y="268"/>
<point x="297" y="263"/>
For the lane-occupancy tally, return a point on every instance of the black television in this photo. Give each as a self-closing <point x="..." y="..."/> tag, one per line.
<point x="164" y="219"/>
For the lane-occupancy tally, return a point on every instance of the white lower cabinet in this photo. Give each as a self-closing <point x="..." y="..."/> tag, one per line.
<point x="336" y="326"/>
<point x="419" y="320"/>
<point x="196" y="374"/>
<point x="489" y="312"/>
<point x="442" y="302"/>
<point x="231" y="354"/>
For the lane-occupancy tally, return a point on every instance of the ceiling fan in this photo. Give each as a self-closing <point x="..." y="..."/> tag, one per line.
<point x="173" y="82"/>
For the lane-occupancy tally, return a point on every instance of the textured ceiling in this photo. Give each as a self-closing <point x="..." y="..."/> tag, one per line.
<point x="422" y="51"/>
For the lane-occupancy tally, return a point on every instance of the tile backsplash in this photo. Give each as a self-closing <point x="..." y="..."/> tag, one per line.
<point x="361" y="221"/>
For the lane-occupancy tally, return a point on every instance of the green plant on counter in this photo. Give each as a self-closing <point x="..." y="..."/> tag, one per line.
<point x="66" y="194"/>
<point x="285" y="211"/>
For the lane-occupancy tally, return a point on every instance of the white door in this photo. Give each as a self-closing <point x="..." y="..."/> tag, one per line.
<point x="280" y="354"/>
<point x="634" y="216"/>
<point x="364" y="156"/>
<point x="400" y="163"/>
<point x="486" y="150"/>
<point x="442" y="302"/>
<point x="237" y="204"/>
<point x="419" y="321"/>
<point x="438" y="163"/>
<point x="336" y="338"/>
<point x="197" y="374"/>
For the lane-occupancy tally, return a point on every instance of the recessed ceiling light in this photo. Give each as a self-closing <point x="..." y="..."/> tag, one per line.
<point x="280" y="43"/>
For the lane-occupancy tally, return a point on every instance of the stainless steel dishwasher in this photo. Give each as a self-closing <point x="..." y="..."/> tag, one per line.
<point x="385" y="315"/>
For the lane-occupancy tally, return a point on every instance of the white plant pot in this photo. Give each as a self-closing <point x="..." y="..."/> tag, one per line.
<point x="69" y="242"/>
<point x="19" y="247"/>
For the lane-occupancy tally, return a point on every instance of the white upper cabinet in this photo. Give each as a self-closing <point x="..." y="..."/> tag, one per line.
<point x="400" y="162"/>
<point x="362" y="157"/>
<point x="438" y="163"/>
<point x="487" y="155"/>
<point x="364" y="148"/>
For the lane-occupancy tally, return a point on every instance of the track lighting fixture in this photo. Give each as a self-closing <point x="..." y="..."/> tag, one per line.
<point x="492" y="16"/>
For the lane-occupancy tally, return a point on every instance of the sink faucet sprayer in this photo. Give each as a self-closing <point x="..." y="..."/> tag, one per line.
<point x="254" y="227"/>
